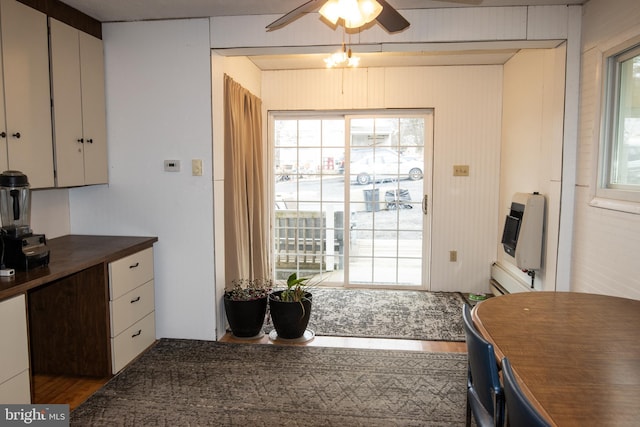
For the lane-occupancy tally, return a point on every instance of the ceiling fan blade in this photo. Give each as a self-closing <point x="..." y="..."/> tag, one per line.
<point x="390" y="18"/>
<point x="295" y="14"/>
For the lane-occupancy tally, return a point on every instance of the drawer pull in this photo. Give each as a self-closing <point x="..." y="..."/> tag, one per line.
<point x="137" y="333"/>
<point x="134" y="265"/>
<point x="135" y="300"/>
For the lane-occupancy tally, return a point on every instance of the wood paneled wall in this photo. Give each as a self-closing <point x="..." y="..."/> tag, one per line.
<point x="606" y="241"/>
<point x="467" y="105"/>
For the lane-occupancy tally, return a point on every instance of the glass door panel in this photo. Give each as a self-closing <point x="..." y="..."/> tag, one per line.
<point x="348" y="199"/>
<point x="388" y="160"/>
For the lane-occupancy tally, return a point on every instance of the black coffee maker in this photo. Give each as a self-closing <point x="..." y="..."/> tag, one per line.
<point x="20" y="248"/>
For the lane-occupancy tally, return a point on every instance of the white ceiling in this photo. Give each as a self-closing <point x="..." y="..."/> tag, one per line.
<point x="137" y="10"/>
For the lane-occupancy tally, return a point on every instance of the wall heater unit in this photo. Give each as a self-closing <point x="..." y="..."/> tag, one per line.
<point x="523" y="230"/>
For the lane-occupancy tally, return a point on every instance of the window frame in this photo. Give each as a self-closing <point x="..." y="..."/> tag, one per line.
<point x="346" y="116"/>
<point x="607" y="195"/>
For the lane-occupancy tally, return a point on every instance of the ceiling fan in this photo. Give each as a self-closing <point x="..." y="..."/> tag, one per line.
<point x="389" y="18"/>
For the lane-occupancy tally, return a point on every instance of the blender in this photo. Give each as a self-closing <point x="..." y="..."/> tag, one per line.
<point x="20" y="248"/>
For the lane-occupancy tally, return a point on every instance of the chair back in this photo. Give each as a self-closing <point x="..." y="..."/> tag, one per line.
<point x="483" y="370"/>
<point x="519" y="410"/>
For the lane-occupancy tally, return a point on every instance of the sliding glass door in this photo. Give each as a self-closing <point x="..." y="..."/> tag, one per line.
<point x="351" y="198"/>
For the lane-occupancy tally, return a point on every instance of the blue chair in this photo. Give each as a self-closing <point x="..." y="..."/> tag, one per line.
<point x="519" y="410"/>
<point x="485" y="399"/>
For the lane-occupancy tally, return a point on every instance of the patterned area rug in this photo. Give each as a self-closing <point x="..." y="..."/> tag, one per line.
<point x="415" y="315"/>
<point x="187" y="382"/>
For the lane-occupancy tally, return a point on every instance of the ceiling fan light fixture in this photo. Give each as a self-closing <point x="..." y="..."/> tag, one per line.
<point x="370" y="9"/>
<point x="342" y="58"/>
<point x="331" y="11"/>
<point x="354" y="13"/>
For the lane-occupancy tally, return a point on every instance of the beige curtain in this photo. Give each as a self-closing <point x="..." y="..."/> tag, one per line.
<point x="245" y="209"/>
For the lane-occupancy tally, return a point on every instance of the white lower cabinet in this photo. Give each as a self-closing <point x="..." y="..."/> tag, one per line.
<point x="132" y="307"/>
<point x="14" y="352"/>
<point x="132" y="341"/>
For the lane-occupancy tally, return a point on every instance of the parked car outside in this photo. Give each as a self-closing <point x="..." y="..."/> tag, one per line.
<point x="383" y="164"/>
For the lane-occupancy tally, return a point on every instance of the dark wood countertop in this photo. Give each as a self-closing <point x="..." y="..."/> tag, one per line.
<point x="70" y="254"/>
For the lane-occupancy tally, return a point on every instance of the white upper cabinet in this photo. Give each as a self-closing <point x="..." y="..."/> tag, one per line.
<point x="27" y="102"/>
<point x="77" y="75"/>
<point x="93" y="110"/>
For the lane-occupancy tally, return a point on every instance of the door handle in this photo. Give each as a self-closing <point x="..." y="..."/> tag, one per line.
<point x="425" y="204"/>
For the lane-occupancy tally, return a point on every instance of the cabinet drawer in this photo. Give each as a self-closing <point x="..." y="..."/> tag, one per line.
<point x="16" y="390"/>
<point x="14" y="351"/>
<point x="130" y="272"/>
<point x="133" y="341"/>
<point x="131" y="307"/>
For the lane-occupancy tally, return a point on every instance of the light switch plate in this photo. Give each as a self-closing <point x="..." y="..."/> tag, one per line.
<point x="196" y="167"/>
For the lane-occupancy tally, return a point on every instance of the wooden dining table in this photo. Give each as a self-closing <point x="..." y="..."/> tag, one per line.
<point x="576" y="355"/>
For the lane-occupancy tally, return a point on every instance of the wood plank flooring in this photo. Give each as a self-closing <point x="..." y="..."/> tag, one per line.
<point x="75" y="390"/>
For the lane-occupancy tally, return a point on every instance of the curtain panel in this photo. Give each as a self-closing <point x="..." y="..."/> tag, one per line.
<point x="245" y="209"/>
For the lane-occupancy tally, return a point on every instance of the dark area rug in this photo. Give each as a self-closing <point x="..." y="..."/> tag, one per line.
<point x="196" y="383"/>
<point x="415" y="315"/>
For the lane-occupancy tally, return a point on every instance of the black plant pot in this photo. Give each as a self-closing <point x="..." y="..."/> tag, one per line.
<point x="290" y="319"/>
<point x="246" y="317"/>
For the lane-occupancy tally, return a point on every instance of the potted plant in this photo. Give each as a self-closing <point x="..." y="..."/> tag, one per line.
<point x="245" y="305"/>
<point x="290" y="308"/>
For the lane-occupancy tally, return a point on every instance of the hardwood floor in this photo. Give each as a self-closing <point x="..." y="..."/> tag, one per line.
<point x="350" y="342"/>
<point x="75" y="390"/>
<point x="64" y="389"/>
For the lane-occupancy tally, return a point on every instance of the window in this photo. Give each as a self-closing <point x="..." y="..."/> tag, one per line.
<point x="350" y="198"/>
<point x="619" y="165"/>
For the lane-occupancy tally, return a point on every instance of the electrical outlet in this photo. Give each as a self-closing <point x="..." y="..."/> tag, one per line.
<point x="453" y="256"/>
<point x="460" y="170"/>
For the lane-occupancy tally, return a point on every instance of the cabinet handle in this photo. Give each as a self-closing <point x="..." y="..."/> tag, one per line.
<point x="16" y="135"/>
<point x="134" y="265"/>
<point x="135" y="300"/>
<point x="137" y="333"/>
<point x="3" y="134"/>
<point x="81" y="140"/>
<point x="90" y="141"/>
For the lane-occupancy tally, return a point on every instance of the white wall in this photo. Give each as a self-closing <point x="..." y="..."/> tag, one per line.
<point x="158" y="89"/>
<point x="606" y="242"/>
<point x="532" y="129"/>
<point x="50" y="212"/>
<point x="467" y="103"/>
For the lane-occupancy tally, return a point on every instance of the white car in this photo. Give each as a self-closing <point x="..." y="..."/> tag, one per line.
<point x="385" y="166"/>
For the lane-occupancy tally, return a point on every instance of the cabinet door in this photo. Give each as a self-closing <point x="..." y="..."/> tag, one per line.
<point x="67" y="104"/>
<point x="25" y="51"/>
<point x="14" y="351"/>
<point x="93" y="110"/>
